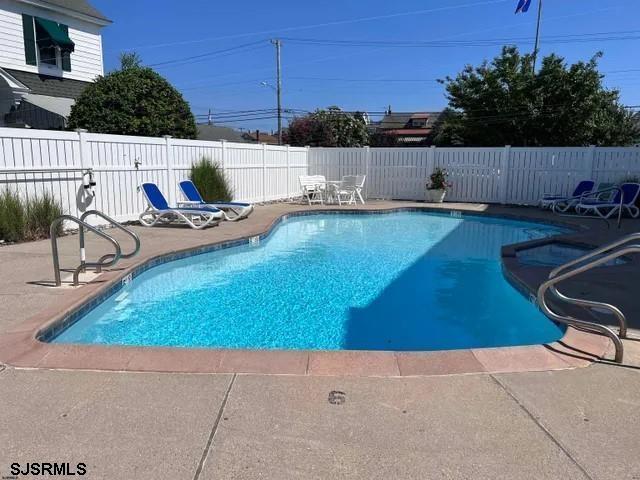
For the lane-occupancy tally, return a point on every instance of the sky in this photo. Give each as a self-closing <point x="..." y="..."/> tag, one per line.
<point x="219" y="54"/>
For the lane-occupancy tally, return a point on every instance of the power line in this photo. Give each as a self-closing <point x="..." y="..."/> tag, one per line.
<point x="207" y="55"/>
<point x="479" y="42"/>
<point x="325" y="24"/>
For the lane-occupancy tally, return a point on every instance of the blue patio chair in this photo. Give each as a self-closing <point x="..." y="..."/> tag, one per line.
<point x="159" y="211"/>
<point x="625" y="198"/>
<point x="563" y="203"/>
<point x="239" y="210"/>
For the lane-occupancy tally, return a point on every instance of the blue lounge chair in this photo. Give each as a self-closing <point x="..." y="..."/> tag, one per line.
<point x="563" y="203"/>
<point x="194" y="199"/>
<point x="159" y="211"/>
<point x="627" y="192"/>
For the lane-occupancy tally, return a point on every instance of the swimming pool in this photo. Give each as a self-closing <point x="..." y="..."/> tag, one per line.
<point x="405" y="281"/>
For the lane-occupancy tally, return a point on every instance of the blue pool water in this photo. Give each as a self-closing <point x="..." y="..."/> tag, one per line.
<point x="401" y="281"/>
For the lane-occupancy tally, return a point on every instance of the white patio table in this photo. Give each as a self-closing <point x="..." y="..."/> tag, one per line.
<point x="331" y="188"/>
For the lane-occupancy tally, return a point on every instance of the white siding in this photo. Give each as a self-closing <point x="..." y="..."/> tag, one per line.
<point x="86" y="60"/>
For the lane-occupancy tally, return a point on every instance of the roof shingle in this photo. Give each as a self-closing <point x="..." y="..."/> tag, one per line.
<point x="80" y="6"/>
<point x="47" y="85"/>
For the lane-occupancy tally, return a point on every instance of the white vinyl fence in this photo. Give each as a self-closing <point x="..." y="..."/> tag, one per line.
<point x="506" y="175"/>
<point x="35" y="161"/>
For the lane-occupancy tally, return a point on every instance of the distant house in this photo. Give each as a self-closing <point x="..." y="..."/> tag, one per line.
<point x="261" y="137"/>
<point x="50" y="50"/>
<point x="215" y="132"/>
<point x="405" y="128"/>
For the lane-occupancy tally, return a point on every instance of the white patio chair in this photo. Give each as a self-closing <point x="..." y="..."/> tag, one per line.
<point x="313" y="187"/>
<point x="345" y="192"/>
<point x="360" y="179"/>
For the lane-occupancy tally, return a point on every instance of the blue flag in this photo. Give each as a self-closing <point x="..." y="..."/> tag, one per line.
<point x="523" y="6"/>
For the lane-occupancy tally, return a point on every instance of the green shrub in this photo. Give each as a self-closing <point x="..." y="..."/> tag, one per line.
<point x="211" y="181"/>
<point x="40" y="212"/>
<point x="134" y="100"/>
<point x="12" y="217"/>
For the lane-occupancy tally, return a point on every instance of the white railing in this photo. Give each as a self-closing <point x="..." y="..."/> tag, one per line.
<point x="506" y="175"/>
<point x="35" y="161"/>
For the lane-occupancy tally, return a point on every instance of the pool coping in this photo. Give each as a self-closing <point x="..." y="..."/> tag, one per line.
<point x="26" y="345"/>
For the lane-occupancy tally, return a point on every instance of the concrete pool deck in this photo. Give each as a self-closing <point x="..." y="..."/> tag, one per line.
<point x="569" y="423"/>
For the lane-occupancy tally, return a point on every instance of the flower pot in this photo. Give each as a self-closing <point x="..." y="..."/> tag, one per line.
<point x="434" y="196"/>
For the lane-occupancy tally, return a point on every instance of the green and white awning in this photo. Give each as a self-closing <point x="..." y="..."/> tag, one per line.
<point x="52" y="34"/>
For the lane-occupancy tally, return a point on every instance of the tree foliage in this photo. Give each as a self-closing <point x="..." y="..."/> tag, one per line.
<point x="134" y="100"/>
<point x="328" y="128"/>
<point x="506" y="103"/>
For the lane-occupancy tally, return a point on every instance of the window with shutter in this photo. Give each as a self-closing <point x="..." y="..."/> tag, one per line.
<point x="47" y="43"/>
<point x="65" y="53"/>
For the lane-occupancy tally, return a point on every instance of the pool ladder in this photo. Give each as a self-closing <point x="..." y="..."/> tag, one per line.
<point x="108" y="260"/>
<point x="611" y="251"/>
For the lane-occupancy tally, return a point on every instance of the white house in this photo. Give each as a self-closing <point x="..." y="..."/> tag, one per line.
<point x="50" y="50"/>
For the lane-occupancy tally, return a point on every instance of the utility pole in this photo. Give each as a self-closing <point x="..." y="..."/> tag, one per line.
<point x="535" y="49"/>
<point x="278" y="44"/>
<point x="209" y="118"/>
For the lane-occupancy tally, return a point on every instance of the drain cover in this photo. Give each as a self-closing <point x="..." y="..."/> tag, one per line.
<point x="336" y="397"/>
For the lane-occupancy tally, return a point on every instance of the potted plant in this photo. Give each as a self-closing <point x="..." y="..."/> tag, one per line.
<point x="437" y="186"/>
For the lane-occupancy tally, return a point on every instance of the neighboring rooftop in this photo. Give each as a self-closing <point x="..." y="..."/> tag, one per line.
<point x="400" y="120"/>
<point x="261" y="137"/>
<point x="79" y="6"/>
<point x="215" y="132"/>
<point x="409" y="128"/>
<point x="48" y="85"/>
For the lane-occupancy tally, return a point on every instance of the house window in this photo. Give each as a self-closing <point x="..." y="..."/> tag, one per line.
<point x="47" y="43"/>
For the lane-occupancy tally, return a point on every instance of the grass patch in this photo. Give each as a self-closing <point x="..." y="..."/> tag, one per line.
<point x="211" y="181"/>
<point x="22" y="220"/>
<point x="40" y="213"/>
<point x="12" y="217"/>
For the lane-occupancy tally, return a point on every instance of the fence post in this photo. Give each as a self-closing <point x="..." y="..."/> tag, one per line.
<point x="84" y="152"/>
<point x="431" y="160"/>
<point x="504" y="174"/>
<point x="224" y="153"/>
<point x="367" y="163"/>
<point x="171" y="185"/>
<point x="264" y="172"/>
<point x="288" y="173"/>
<point x="84" y="160"/>
<point x="591" y="156"/>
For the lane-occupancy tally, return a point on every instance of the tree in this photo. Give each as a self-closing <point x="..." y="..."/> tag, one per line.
<point x="328" y="128"/>
<point x="506" y="103"/>
<point x="134" y="100"/>
<point x="382" y="139"/>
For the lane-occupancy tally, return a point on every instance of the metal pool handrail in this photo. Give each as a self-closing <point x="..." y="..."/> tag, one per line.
<point x="555" y="276"/>
<point x="116" y="224"/>
<point x="54" y="248"/>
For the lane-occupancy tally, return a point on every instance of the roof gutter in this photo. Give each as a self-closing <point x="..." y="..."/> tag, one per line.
<point x="71" y="13"/>
<point x="18" y="88"/>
